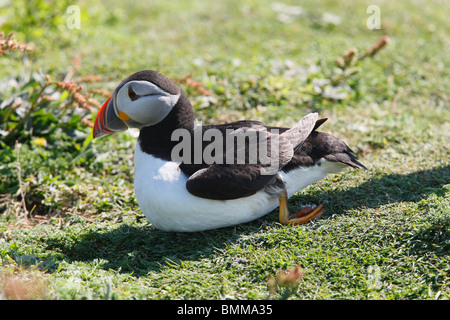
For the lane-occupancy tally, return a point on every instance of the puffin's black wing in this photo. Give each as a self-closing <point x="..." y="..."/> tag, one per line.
<point x="224" y="181"/>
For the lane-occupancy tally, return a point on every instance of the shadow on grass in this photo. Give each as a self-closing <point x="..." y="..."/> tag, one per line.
<point x="387" y="189"/>
<point x="142" y="249"/>
<point x="432" y="233"/>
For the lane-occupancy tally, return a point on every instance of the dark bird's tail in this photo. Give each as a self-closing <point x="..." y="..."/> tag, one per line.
<point x="346" y="156"/>
<point x="332" y="149"/>
<point x="323" y="145"/>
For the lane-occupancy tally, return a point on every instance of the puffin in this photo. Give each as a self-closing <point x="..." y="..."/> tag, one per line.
<point x="190" y="177"/>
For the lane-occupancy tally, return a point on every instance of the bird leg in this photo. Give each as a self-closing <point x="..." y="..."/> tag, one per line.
<point x="303" y="216"/>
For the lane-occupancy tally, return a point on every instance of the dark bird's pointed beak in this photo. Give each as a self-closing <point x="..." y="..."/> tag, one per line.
<point x="107" y="120"/>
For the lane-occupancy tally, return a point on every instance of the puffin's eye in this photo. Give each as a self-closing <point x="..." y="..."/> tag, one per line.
<point x="133" y="95"/>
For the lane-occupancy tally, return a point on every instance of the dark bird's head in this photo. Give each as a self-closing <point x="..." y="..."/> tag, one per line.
<point x="141" y="100"/>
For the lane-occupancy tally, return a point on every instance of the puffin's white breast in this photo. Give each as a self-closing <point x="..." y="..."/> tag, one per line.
<point x="160" y="189"/>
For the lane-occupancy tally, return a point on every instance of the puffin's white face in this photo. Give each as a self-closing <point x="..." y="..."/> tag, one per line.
<point x="137" y="104"/>
<point x="141" y="103"/>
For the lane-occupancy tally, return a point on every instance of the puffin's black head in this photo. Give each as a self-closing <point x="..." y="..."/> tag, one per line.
<point x="142" y="99"/>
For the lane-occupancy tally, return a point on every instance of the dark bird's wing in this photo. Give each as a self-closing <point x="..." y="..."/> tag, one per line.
<point x="224" y="181"/>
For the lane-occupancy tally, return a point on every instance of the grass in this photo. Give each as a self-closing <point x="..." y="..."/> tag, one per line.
<point x="79" y="233"/>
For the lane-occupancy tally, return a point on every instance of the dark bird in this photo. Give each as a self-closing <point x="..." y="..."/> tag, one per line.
<point x="191" y="178"/>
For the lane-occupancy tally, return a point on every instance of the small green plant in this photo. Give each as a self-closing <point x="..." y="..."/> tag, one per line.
<point x="36" y="106"/>
<point x="39" y="107"/>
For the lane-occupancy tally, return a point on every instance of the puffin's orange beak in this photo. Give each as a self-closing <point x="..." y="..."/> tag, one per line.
<point x="107" y="121"/>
